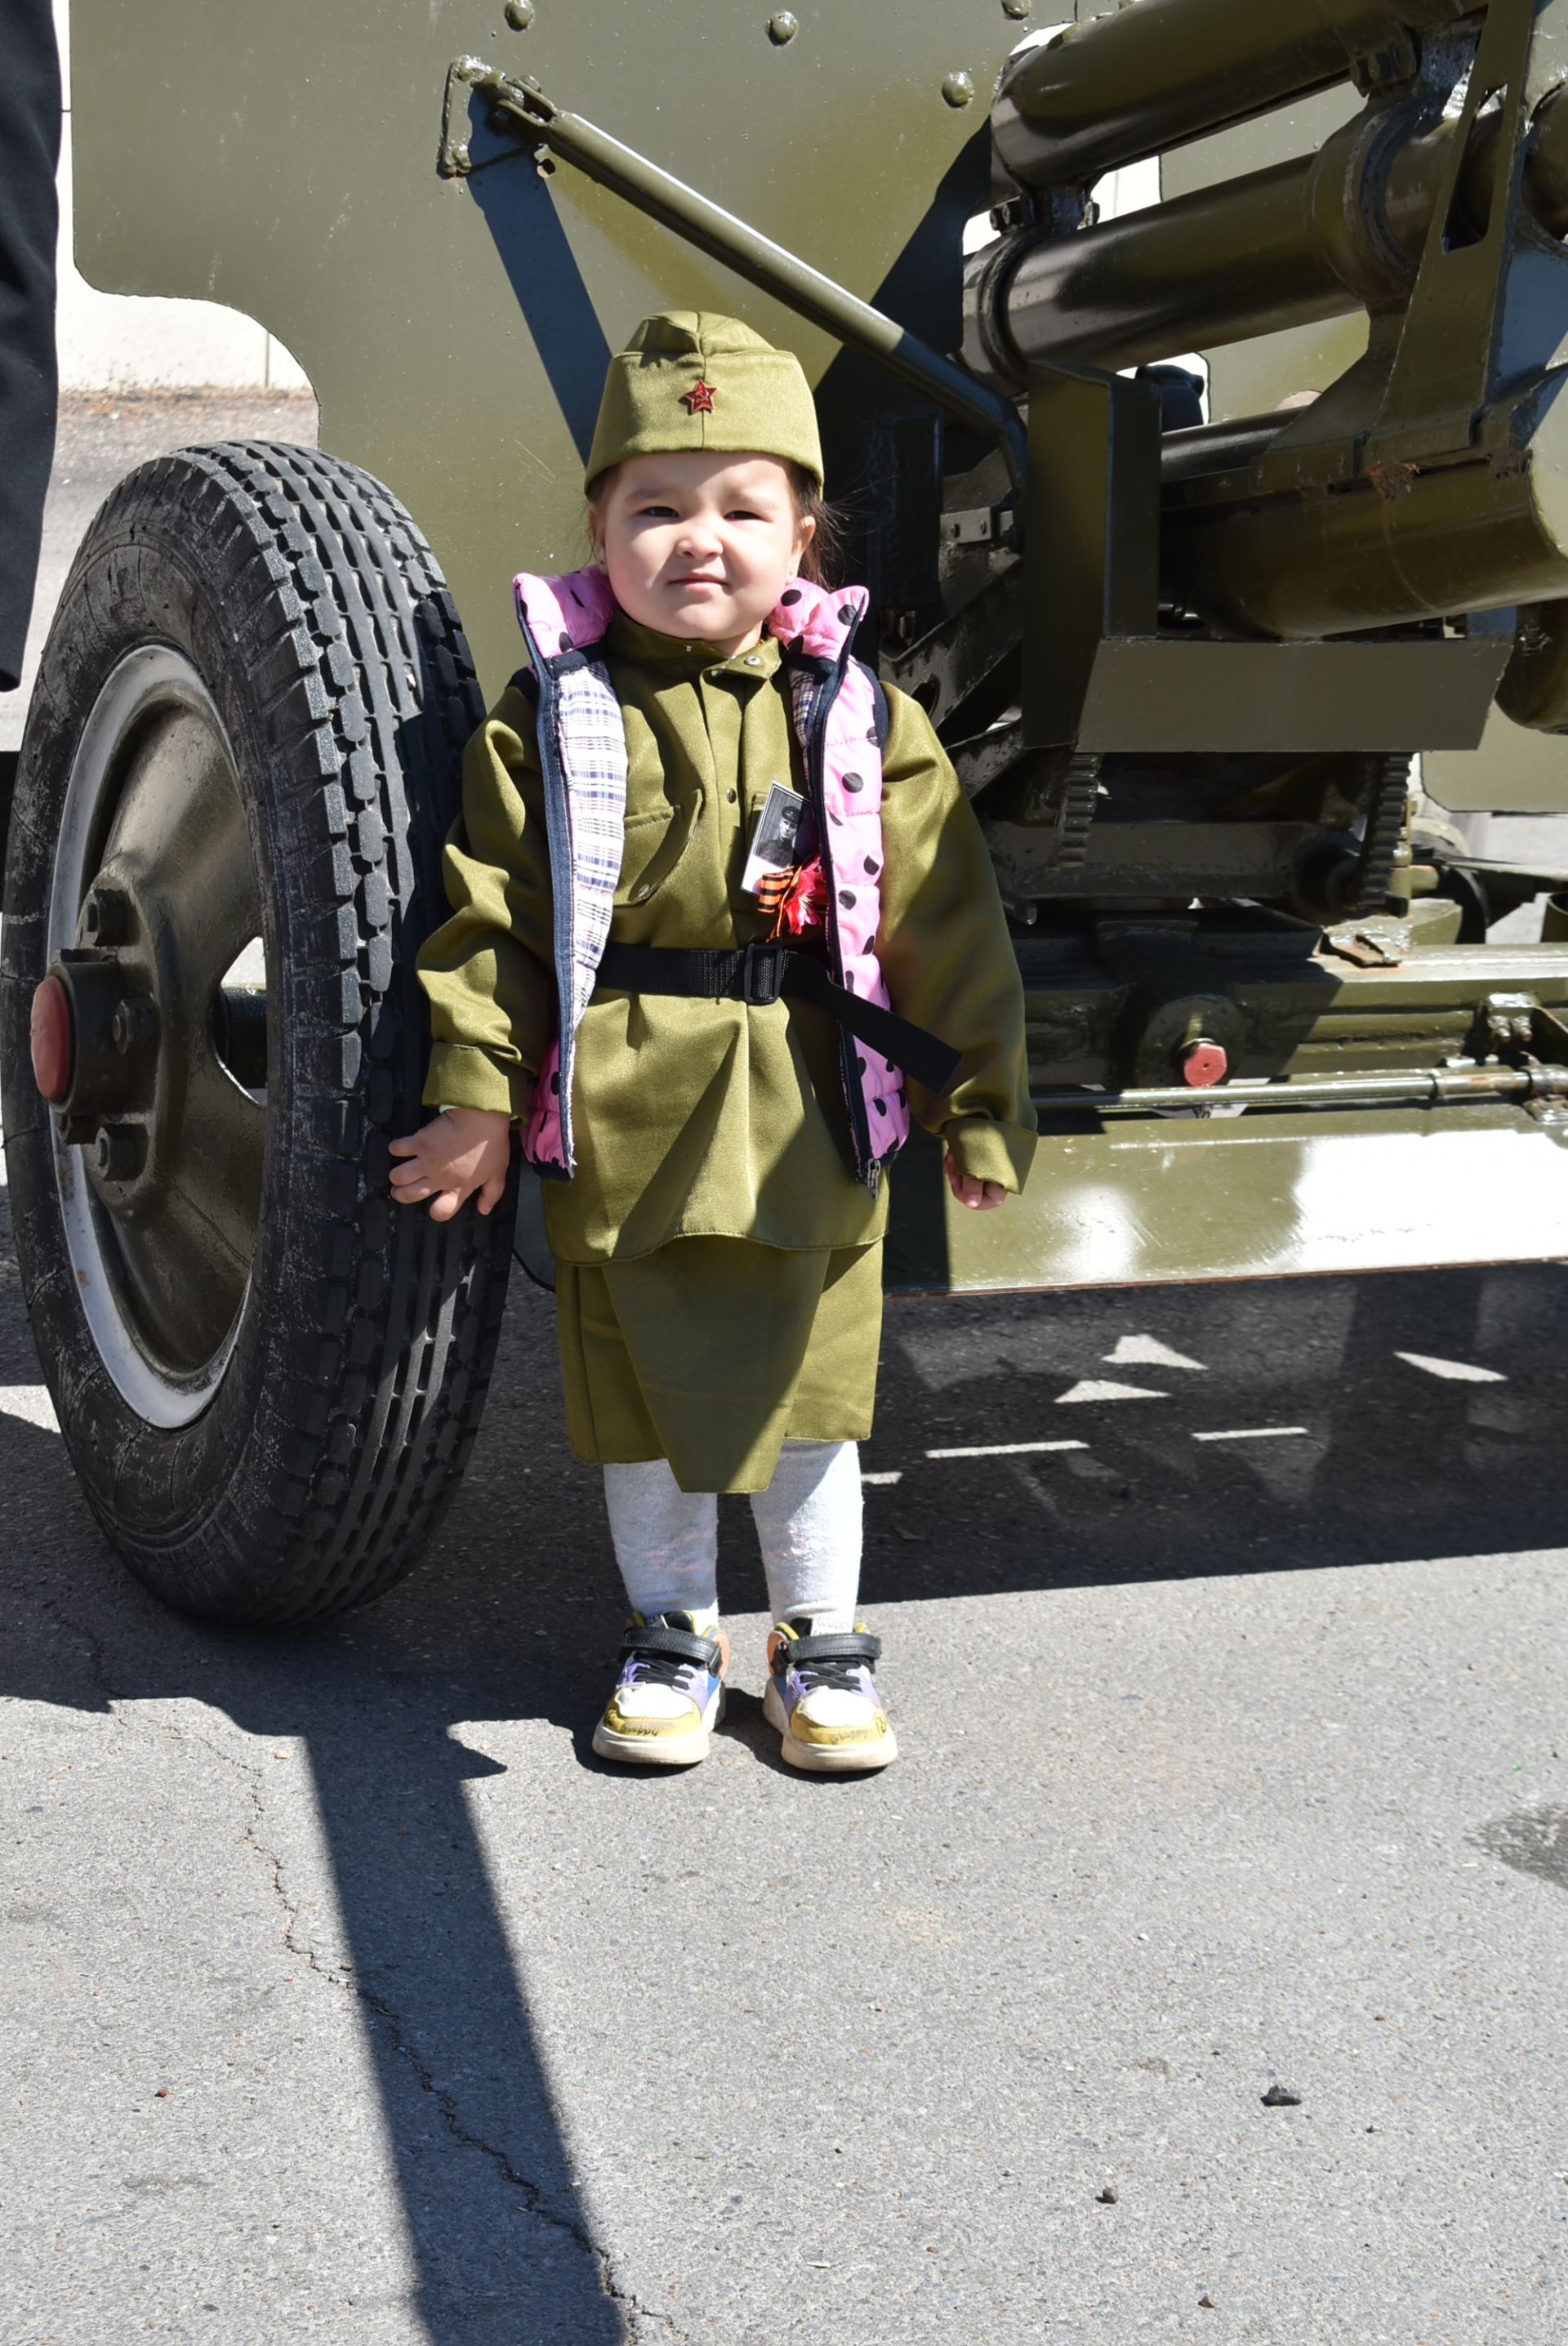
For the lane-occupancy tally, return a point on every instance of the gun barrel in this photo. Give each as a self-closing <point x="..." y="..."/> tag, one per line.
<point x="1317" y="236"/>
<point x="1144" y="80"/>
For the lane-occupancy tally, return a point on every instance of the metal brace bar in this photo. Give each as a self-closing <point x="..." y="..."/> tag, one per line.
<point x="524" y="110"/>
<point x="1415" y="1086"/>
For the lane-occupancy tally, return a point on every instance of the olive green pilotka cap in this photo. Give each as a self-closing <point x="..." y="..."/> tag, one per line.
<point x="692" y="379"/>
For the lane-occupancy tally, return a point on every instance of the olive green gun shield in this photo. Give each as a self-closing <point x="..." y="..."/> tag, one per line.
<point x="282" y="159"/>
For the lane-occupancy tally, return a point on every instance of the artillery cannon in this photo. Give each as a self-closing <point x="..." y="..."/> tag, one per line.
<point x="1185" y="665"/>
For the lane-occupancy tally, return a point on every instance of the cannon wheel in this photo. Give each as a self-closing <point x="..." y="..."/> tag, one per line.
<point x="241" y="758"/>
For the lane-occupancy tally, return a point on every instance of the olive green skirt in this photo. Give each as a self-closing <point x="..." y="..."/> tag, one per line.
<point x="712" y="1351"/>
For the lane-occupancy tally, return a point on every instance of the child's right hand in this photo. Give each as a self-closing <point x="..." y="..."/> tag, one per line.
<point x="461" y="1150"/>
<point x="980" y="1197"/>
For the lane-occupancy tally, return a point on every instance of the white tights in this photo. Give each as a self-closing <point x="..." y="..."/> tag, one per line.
<point x="809" y="1524"/>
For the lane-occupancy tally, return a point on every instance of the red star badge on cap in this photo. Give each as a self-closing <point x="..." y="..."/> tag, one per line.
<point x="699" y="400"/>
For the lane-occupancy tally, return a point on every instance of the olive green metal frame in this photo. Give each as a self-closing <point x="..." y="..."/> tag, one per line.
<point x="455" y="323"/>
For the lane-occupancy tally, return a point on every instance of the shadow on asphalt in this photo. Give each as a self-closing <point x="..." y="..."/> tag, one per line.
<point x="515" y="1615"/>
<point x="1392" y="1462"/>
<point x="444" y="2018"/>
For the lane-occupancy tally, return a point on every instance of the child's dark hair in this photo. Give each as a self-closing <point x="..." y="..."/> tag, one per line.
<point x="824" y="548"/>
<point x="824" y="552"/>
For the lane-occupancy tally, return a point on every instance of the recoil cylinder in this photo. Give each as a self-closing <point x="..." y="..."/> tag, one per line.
<point x="1318" y="237"/>
<point x="1144" y="80"/>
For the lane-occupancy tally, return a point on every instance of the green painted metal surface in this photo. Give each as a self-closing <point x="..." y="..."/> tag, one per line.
<point x="455" y="323"/>
<point x="1130" y="85"/>
<point x="281" y="157"/>
<point x="1148" y="696"/>
<point x="1513" y="771"/>
<point x="1254" y="1197"/>
<point x="524" y="113"/>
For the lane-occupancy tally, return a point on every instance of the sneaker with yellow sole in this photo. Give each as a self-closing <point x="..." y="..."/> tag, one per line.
<point x="669" y="1696"/>
<point x="823" y="1701"/>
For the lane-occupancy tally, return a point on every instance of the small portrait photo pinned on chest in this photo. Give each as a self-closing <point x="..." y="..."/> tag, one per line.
<point x="776" y="843"/>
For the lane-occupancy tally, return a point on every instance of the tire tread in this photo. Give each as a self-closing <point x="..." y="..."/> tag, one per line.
<point x="358" y="695"/>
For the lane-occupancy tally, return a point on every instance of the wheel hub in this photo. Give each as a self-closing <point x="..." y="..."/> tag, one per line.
<point x="160" y="1113"/>
<point x="52" y="1038"/>
<point x="95" y="1040"/>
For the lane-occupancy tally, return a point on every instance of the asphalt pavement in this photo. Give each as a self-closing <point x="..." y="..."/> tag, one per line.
<point x="347" y="1996"/>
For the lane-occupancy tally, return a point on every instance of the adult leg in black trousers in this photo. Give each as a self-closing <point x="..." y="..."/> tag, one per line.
<point x="29" y="150"/>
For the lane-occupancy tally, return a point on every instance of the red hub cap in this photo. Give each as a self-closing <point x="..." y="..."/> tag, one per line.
<point x="52" y="1041"/>
<point x="1203" y="1063"/>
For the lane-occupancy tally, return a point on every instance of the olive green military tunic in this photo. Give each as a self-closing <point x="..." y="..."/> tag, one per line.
<point x="720" y="1272"/>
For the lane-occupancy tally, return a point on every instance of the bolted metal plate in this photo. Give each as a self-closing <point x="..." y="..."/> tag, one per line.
<point x="1159" y="697"/>
<point x="1167" y="1201"/>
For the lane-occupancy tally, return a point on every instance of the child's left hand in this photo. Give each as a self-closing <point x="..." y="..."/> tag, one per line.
<point x="969" y="1191"/>
<point x="460" y="1152"/>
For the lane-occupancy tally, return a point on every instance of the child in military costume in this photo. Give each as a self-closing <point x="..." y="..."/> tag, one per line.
<point x="721" y="921"/>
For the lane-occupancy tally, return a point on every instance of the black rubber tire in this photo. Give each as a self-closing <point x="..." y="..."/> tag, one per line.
<point x="313" y="610"/>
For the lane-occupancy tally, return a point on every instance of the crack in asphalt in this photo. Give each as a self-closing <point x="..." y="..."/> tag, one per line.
<point x="532" y="2192"/>
<point x="396" y="2031"/>
<point x="348" y="1981"/>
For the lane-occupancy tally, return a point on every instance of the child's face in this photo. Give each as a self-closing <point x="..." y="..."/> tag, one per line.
<point x="698" y="545"/>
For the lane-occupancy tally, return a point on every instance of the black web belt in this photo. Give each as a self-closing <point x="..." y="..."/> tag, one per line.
<point x="761" y="974"/>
